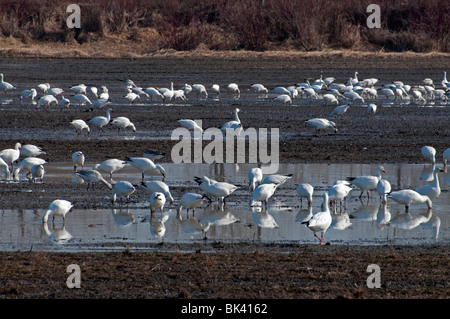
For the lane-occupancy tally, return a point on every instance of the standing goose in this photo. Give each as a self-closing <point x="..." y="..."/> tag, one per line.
<point x="446" y="157"/>
<point x="322" y="124"/>
<point x="216" y="189"/>
<point x="5" y="85"/>
<point x="59" y="207"/>
<point x="78" y="159"/>
<point x="235" y="124"/>
<point x="37" y="172"/>
<point x="190" y="201"/>
<point x="409" y="197"/>
<point x="157" y="201"/>
<point x="433" y="190"/>
<point x="305" y="190"/>
<point x="30" y="150"/>
<point x="26" y="165"/>
<point x="159" y="187"/>
<point x="338" y="192"/>
<point x="110" y="166"/>
<point x="320" y="221"/>
<point x="10" y="155"/>
<point x="255" y="176"/>
<point x="101" y="121"/>
<point x="92" y="176"/>
<point x="190" y="125"/>
<point x="429" y="153"/>
<point x="80" y="125"/>
<point x="367" y="182"/>
<point x="47" y="100"/>
<point x="123" y="123"/>
<point x="122" y="189"/>
<point x="383" y="188"/>
<point x="234" y="88"/>
<point x="262" y="193"/>
<point x="278" y="179"/>
<point x="145" y="165"/>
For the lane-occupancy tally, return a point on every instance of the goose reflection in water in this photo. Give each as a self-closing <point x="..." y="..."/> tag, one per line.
<point x="304" y="215"/>
<point x="366" y="212"/>
<point x="192" y="226"/>
<point x="58" y="235"/>
<point x="384" y="215"/>
<point x="122" y="217"/>
<point x="341" y="220"/>
<point x="157" y="225"/>
<point x="218" y="215"/>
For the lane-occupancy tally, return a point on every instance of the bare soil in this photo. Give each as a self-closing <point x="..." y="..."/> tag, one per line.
<point x="217" y="270"/>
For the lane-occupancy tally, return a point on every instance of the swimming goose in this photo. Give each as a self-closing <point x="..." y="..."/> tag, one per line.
<point x="122" y="189"/>
<point x="160" y="187"/>
<point x="123" y="123"/>
<point x="322" y="124"/>
<point x="320" y="221"/>
<point x="11" y="155"/>
<point x="157" y="201"/>
<point x="305" y="190"/>
<point x="110" y="166"/>
<point x="367" y="182"/>
<point x="101" y="121"/>
<point x="255" y="176"/>
<point x="59" y="207"/>
<point x="262" y="193"/>
<point x="190" y="201"/>
<point x="92" y="176"/>
<point x="216" y="189"/>
<point x="78" y="160"/>
<point x="145" y="165"/>
<point x="409" y="197"/>
<point x="429" y="153"/>
<point x="80" y="125"/>
<point x="432" y="190"/>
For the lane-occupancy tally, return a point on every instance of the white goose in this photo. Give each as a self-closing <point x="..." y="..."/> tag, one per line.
<point x="5" y="85"/>
<point x="157" y="201"/>
<point x="383" y="188"/>
<point x="28" y="93"/>
<point x="320" y="221"/>
<point x="122" y="189"/>
<point x="262" y="193"/>
<point x="82" y="99"/>
<point x="92" y="176"/>
<point x="10" y="155"/>
<point x="159" y="187"/>
<point x="145" y="165"/>
<point x="278" y="179"/>
<point x="234" y="88"/>
<point x="432" y="190"/>
<point x="190" y="125"/>
<point x="338" y="192"/>
<point x="410" y="197"/>
<point x="322" y="124"/>
<point x="190" y="201"/>
<point x="305" y="190"/>
<point x="37" y="172"/>
<point x="123" y="123"/>
<point x="235" y="124"/>
<point x="80" y="125"/>
<point x="199" y="89"/>
<point x="367" y="182"/>
<point x="152" y="92"/>
<point x="255" y="176"/>
<point x="429" y="153"/>
<point x="216" y="189"/>
<point x="339" y="110"/>
<point x="5" y="167"/>
<point x="80" y="89"/>
<point x="59" y="207"/>
<point x="26" y="165"/>
<point x="101" y="121"/>
<point x="446" y="157"/>
<point x="30" y="150"/>
<point x="47" y="100"/>
<point x="259" y="88"/>
<point x="78" y="159"/>
<point x="110" y="166"/>
<point x="283" y="98"/>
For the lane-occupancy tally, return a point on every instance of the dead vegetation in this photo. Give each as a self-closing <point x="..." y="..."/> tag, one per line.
<point x="135" y="28"/>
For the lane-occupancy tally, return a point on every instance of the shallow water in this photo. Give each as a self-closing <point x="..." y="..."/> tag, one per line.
<point x="361" y="223"/>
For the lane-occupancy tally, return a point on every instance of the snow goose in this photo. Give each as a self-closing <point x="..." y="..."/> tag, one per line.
<point x="30" y="150"/>
<point x="235" y="124"/>
<point x="28" y="93"/>
<point x="99" y="103"/>
<point x="168" y="93"/>
<point x="322" y="124"/>
<point x="255" y="176"/>
<point x="47" y="100"/>
<point x="446" y="157"/>
<point x="339" y="110"/>
<point x="262" y="193"/>
<point x="157" y="201"/>
<point x="259" y="88"/>
<point x="444" y="80"/>
<point x="80" y="125"/>
<point x="190" y="125"/>
<point x="92" y="176"/>
<point x="78" y="159"/>
<point x="283" y="98"/>
<point x="387" y="92"/>
<point x="79" y="89"/>
<point x="145" y="165"/>
<point x="305" y="190"/>
<point x="280" y="90"/>
<point x="101" y="121"/>
<point x="104" y="93"/>
<point x="5" y="86"/>
<point x="234" y="88"/>
<point x="320" y="221"/>
<point x="110" y="166"/>
<point x="123" y="123"/>
<point x="122" y="189"/>
<point x="308" y="92"/>
<point x="330" y="99"/>
<point x="190" y="201"/>
<point x="59" y="207"/>
<point x="278" y="179"/>
<point x="410" y="197"/>
<point x="44" y="87"/>
<point x="429" y="153"/>
<point x="159" y="186"/>
<point x="367" y="182"/>
<point x="65" y="102"/>
<point x="152" y="92"/>
<point x="10" y="155"/>
<point x="371" y="108"/>
<point x="55" y="91"/>
<point x="26" y="165"/>
<point x="5" y="167"/>
<point x="37" y="172"/>
<point x="216" y="189"/>
<point x="199" y="89"/>
<point x="215" y="88"/>
<point x="354" y="96"/>
<point x="94" y="91"/>
<point x="432" y="190"/>
<point x="338" y="192"/>
<point x="383" y="188"/>
<point x="131" y="96"/>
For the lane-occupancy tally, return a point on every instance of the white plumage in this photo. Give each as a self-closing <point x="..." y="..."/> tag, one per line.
<point x="123" y="123"/>
<point x="410" y="197"/>
<point x="160" y="187"/>
<point x="122" y="189"/>
<point x="320" y="221"/>
<point x="305" y="190"/>
<point x="59" y="207"/>
<point x="190" y="201"/>
<point x="368" y="182"/>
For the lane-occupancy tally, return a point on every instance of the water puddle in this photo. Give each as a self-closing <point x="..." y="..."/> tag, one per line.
<point x="361" y="223"/>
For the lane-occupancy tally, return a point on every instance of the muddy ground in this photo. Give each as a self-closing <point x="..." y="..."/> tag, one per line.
<point x="217" y="270"/>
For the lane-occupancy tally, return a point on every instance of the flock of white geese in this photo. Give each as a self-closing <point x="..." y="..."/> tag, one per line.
<point x="261" y="188"/>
